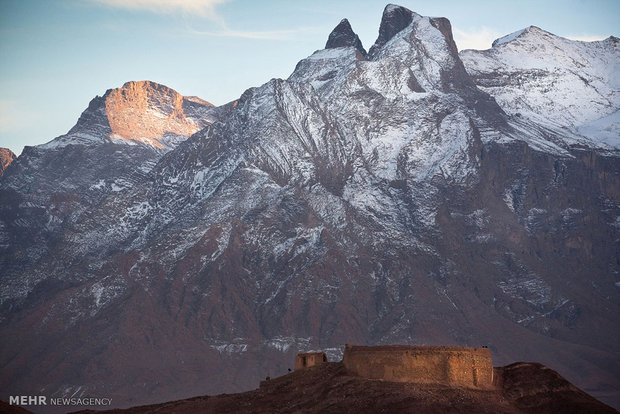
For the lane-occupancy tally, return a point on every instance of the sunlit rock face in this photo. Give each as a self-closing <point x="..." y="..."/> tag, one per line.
<point x="146" y="111"/>
<point x="6" y="158"/>
<point x="140" y="112"/>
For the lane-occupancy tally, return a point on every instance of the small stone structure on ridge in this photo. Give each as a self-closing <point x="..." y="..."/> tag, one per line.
<point x="309" y="359"/>
<point x="447" y="365"/>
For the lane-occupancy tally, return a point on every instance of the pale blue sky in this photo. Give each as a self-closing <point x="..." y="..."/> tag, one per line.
<point x="56" y="55"/>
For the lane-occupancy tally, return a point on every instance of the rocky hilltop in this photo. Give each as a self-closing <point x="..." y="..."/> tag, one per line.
<point x="380" y="197"/>
<point x="332" y="388"/>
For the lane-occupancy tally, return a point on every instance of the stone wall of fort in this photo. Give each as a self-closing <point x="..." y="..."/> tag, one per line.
<point x="451" y="366"/>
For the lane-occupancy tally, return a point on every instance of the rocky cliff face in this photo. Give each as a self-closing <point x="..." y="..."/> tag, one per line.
<point x="370" y="198"/>
<point x="6" y="158"/>
<point x="139" y="112"/>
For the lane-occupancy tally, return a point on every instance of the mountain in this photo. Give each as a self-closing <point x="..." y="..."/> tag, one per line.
<point x="114" y="145"/>
<point x="568" y="84"/>
<point x="379" y="197"/>
<point x="6" y="158"/>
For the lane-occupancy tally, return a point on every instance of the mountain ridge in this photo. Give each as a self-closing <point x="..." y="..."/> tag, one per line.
<point x="566" y="84"/>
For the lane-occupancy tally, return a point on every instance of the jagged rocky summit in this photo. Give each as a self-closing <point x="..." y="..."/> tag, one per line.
<point x="343" y="36"/>
<point x="387" y="197"/>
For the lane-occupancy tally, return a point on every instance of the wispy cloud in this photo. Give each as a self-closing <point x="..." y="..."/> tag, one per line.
<point x="204" y="8"/>
<point x="479" y="38"/>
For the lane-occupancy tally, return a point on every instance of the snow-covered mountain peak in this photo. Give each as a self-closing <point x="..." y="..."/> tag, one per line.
<point x="426" y="47"/>
<point x="529" y="33"/>
<point x="533" y="48"/>
<point x="414" y="63"/>
<point x="139" y="112"/>
<point x="422" y="48"/>
<point x="554" y="81"/>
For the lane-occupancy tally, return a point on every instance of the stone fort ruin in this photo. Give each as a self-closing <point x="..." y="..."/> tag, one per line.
<point x="309" y="359"/>
<point x="455" y="366"/>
